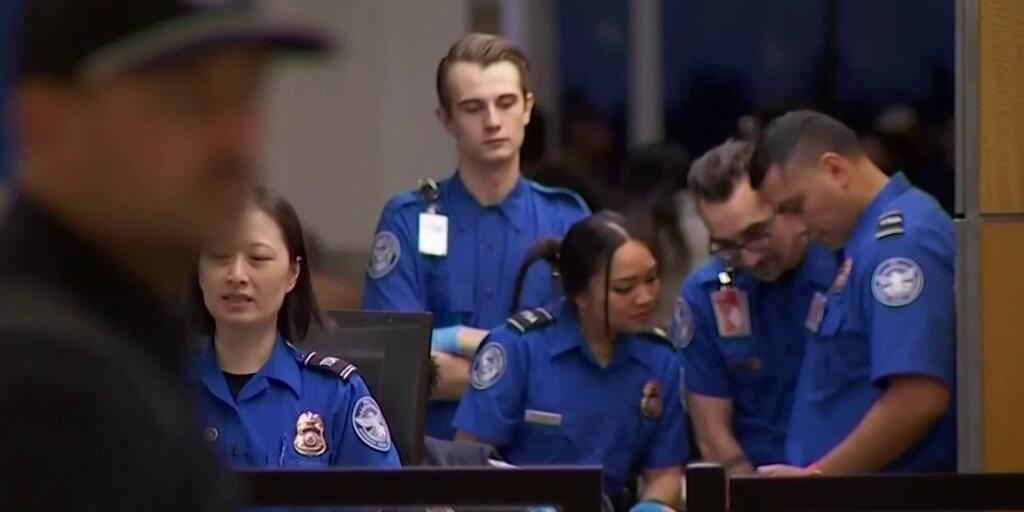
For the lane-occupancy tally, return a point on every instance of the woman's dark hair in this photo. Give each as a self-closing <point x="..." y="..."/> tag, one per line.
<point x="300" y="310"/>
<point x="587" y="249"/>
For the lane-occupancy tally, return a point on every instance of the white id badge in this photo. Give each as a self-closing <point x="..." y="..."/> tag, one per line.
<point x="433" y="234"/>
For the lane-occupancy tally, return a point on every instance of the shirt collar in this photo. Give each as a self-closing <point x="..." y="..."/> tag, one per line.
<point x="882" y="202"/>
<point x="568" y="336"/>
<point x="466" y="210"/>
<point x="818" y="266"/>
<point x="283" y="366"/>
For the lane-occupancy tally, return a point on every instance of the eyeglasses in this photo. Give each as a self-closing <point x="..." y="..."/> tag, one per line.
<point x="758" y="239"/>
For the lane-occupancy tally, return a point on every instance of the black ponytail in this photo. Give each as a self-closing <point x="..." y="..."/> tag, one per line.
<point x="546" y="250"/>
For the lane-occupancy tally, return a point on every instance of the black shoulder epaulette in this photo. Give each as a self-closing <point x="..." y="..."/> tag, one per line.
<point x="330" y="364"/>
<point x="889" y="223"/>
<point x="659" y="335"/>
<point x="530" y="319"/>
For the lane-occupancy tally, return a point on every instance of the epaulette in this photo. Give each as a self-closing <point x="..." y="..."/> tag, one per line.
<point x="330" y="364"/>
<point x="889" y="224"/>
<point x="530" y="319"/>
<point x="659" y="335"/>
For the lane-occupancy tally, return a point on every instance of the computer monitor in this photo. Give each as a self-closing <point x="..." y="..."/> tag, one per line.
<point x="392" y="352"/>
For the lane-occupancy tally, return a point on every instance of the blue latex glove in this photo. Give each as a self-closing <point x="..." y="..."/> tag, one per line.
<point x="648" y="506"/>
<point x="445" y="339"/>
<point x="541" y="509"/>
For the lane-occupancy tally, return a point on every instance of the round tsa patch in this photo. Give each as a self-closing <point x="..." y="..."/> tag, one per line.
<point x="384" y="255"/>
<point x="682" y="324"/>
<point x="488" y="367"/>
<point x="897" y="282"/>
<point x="369" y="424"/>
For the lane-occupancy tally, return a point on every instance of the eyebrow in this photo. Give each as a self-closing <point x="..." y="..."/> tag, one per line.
<point x="482" y="100"/>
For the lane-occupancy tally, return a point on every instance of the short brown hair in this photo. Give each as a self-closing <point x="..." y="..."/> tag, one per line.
<point x="483" y="49"/>
<point x="713" y="177"/>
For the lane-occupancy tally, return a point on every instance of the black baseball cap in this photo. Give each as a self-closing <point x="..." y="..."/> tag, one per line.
<point x="92" y="40"/>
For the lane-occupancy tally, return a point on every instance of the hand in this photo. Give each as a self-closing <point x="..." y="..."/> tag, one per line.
<point x="782" y="470"/>
<point x="650" y="506"/>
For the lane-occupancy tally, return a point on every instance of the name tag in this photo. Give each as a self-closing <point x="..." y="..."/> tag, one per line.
<point x="548" y="419"/>
<point x="433" y="234"/>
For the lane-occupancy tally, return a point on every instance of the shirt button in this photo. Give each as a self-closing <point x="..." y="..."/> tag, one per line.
<point x="234" y="452"/>
<point x="489" y="292"/>
<point x="490" y="245"/>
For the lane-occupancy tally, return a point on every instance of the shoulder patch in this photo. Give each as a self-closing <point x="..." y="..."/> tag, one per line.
<point x="330" y="364"/>
<point x="889" y="224"/>
<point x="682" y="324"/>
<point x="530" y="319"/>
<point x="369" y="423"/>
<point x="384" y="255"/>
<point x="488" y="366"/>
<point x="897" y="282"/>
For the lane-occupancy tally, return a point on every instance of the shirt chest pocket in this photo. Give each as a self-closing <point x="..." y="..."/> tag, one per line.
<point x="844" y="349"/>
<point x="742" y="360"/>
<point x="548" y="436"/>
<point x="452" y="293"/>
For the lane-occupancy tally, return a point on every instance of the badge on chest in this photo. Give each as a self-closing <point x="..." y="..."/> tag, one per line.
<point x="732" y="312"/>
<point x="816" y="312"/>
<point x="309" y="435"/>
<point x="650" y="401"/>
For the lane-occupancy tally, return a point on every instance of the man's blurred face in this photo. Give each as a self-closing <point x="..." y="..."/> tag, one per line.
<point x="488" y="113"/>
<point x="168" y="153"/>
<point x="813" y="195"/>
<point x="746" y="233"/>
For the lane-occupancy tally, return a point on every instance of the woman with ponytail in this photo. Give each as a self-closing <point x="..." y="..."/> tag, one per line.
<point x="585" y="381"/>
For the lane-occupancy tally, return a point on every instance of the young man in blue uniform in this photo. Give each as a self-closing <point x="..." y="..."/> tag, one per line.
<point x="452" y="248"/>
<point x="739" y="319"/>
<point x="876" y="389"/>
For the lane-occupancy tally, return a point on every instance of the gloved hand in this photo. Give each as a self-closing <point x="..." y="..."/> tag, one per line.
<point x="649" y="506"/>
<point x="445" y="339"/>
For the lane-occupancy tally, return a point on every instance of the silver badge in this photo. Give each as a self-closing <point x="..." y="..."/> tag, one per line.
<point x="369" y="424"/>
<point x="384" y="254"/>
<point x="488" y="367"/>
<point x="682" y="324"/>
<point x="897" y="282"/>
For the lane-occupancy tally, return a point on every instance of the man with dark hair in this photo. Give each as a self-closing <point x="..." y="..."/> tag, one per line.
<point x="875" y="392"/>
<point x="739" y="319"/>
<point x="136" y="123"/>
<point x="452" y="248"/>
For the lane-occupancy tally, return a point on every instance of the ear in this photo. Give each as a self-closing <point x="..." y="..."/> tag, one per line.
<point x="528" y="103"/>
<point x="293" y="274"/>
<point x="445" y="118"/>
<point x="838" y="167"/>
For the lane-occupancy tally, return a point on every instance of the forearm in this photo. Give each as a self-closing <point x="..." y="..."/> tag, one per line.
<point x="719" y="445"/>
<point x="452" y="376"/>
<point x="898" y="420"/>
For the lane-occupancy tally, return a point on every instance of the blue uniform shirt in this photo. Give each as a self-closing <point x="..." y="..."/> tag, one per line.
<point x="267" y="425"/>
<point x="541" y="398"/>
<point x="757" y="370"/>
<point x="892" y="313"/>
<point x="473" y="284"/>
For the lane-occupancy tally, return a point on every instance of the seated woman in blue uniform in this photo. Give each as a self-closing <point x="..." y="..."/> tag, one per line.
<point x="264" y="402"/>
<point x="585" y="381"/>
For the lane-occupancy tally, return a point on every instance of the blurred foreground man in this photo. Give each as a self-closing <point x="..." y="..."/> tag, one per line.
<point x="137" y="123"/>
<point x="875" y="392"/>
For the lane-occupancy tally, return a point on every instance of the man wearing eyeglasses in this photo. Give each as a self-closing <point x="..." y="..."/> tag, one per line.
<point x="741" y="319"/>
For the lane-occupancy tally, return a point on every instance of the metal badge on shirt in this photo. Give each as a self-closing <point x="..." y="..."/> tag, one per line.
<point x="732" y="312"/>
<point x="309" y="435"/>
<point x="433" y="234"/>
<point x="650" y="402"/>
<point x="816" y="312"/>
<point x="842" y="276"/>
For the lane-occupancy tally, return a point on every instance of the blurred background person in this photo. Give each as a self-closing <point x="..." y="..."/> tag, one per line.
<point x="581" y="381"/>
<point x="266" y="403"/>
<point x="129" y="158"/>
<point x="453" y="247"/>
